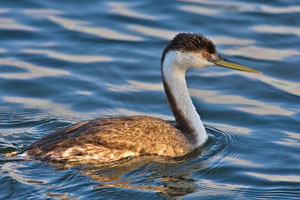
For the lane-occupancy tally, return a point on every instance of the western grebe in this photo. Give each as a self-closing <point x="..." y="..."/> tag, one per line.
<point x="111" y="139"/>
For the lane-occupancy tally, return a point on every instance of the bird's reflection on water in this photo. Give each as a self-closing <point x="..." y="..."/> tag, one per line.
<point x="148" y="174"/>
<point x="168" y="177"/>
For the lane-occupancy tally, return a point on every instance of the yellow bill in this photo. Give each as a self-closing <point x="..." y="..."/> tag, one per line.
<point x="232" y="65"/>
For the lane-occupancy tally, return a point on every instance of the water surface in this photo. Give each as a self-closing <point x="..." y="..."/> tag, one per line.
<point x="64" y="62"/>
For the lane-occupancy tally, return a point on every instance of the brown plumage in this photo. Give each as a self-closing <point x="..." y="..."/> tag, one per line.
<point x="110" y="139"/>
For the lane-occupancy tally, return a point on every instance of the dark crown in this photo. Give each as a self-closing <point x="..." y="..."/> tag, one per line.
<point x="187" y="42"/>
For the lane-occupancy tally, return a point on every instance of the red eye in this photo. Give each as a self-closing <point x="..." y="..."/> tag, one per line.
<point x="206" y="54"/>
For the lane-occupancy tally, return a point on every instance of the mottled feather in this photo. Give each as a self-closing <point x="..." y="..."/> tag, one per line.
<point x="110" y="139"/>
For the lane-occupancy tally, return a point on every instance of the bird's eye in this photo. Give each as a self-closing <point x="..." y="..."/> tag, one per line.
<point x="206" y="54"/>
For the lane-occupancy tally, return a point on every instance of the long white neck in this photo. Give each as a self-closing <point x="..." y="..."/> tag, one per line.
<point x="187" y="118"/>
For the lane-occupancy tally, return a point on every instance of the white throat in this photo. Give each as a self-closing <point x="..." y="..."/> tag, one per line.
<point x="173" y="73"/>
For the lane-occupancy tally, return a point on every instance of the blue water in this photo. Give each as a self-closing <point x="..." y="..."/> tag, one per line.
<point x="63" y="62"/>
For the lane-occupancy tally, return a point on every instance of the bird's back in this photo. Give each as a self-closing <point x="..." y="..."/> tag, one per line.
<point x="111" y="139"/>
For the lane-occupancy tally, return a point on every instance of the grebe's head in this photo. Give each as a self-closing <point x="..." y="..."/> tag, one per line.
<point x="191" y="50"/>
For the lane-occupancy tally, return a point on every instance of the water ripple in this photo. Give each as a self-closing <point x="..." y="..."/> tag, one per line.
<point x="32" y="71"/>
<point x="153" y="32"/>
<point x="276" y="177"/>
<point x="53" y="109"/>
<point x="42" y="12"/>
<point x="69" y="57"/>
<point x="236" y="129"/>
<point x="123" y="9"/>
<point x="241" y="103"/>
<point x="134" y="86"/>
<point x="277" y="29"/>
<point x="231" y="40"/>
<point x="83" y="27"/>
<point x="200" y="10"/>
<point x="2" y="11"/>
<point x="3" y="50"/>
<point x="11" y="24"/>
<point x="247" y="7"/>
<point x="263" y="53"/>
<point x="292" y="139"/>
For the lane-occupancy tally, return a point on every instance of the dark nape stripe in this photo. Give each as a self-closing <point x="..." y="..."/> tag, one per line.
<point x="182" y="123"/>
<point x="184" y="42"/>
